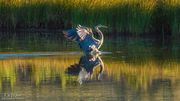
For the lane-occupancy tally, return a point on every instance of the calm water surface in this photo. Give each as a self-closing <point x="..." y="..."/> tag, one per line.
<point x="33" y="68"/>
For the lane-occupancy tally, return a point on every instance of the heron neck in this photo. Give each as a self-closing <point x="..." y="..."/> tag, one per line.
<point x="100" y="36"/>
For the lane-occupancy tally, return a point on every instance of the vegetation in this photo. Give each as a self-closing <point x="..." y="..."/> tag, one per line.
<point x="129" y="16"/>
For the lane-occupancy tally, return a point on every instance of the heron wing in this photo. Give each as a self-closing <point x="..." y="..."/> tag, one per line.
<point x="71" y="34"/>
<point x="82" y="36"/>
<point x="77" y="34"/>
<point x="82" y="32"/>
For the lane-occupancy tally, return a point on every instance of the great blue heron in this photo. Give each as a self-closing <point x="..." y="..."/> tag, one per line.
<point x="85" y="38"/>
<point x="84" y="69"/>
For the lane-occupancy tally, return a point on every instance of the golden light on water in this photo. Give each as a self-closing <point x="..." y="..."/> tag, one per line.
<point x="40" y="69"/>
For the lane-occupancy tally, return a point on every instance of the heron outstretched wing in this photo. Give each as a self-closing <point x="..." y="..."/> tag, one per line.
<point x="77" y="34"/>
<point x="72" y="35"/>
<point x="84" y="37"/>
<point x="83" y="32"/>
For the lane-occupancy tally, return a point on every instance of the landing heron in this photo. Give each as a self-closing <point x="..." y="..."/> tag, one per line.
<point x="85" y="38"/>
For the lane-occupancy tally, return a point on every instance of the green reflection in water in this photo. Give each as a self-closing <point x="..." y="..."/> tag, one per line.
<point x="38" y="71"/>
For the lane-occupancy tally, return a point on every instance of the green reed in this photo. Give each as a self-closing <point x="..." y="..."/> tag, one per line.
<point x="132" y="16"/>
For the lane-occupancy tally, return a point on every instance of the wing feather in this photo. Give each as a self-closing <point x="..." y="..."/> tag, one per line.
<point x="77" y="34"/>
<point x="82" y="32"/>
<point x="71" y="34"/>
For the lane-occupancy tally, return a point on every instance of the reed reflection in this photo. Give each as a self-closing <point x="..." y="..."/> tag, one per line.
<point x="33" y="73"/>
<point x="84" y="69"/>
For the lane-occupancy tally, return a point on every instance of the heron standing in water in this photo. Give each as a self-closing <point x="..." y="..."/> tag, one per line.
<point x="85" y="38"/>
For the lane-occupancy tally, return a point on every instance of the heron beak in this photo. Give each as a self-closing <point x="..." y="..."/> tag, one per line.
<point x="104" y="26"/>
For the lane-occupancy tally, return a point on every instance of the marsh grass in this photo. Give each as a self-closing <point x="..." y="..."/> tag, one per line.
<point x="131" y="16"/>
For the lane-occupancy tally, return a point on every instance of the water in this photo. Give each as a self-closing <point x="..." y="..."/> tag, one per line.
<point x="34" y="68"/>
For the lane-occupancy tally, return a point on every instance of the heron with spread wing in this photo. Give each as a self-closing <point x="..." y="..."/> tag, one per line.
<point x="85" y="38"/>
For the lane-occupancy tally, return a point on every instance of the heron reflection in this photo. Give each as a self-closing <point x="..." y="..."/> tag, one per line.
<point x="84" y="69"/>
